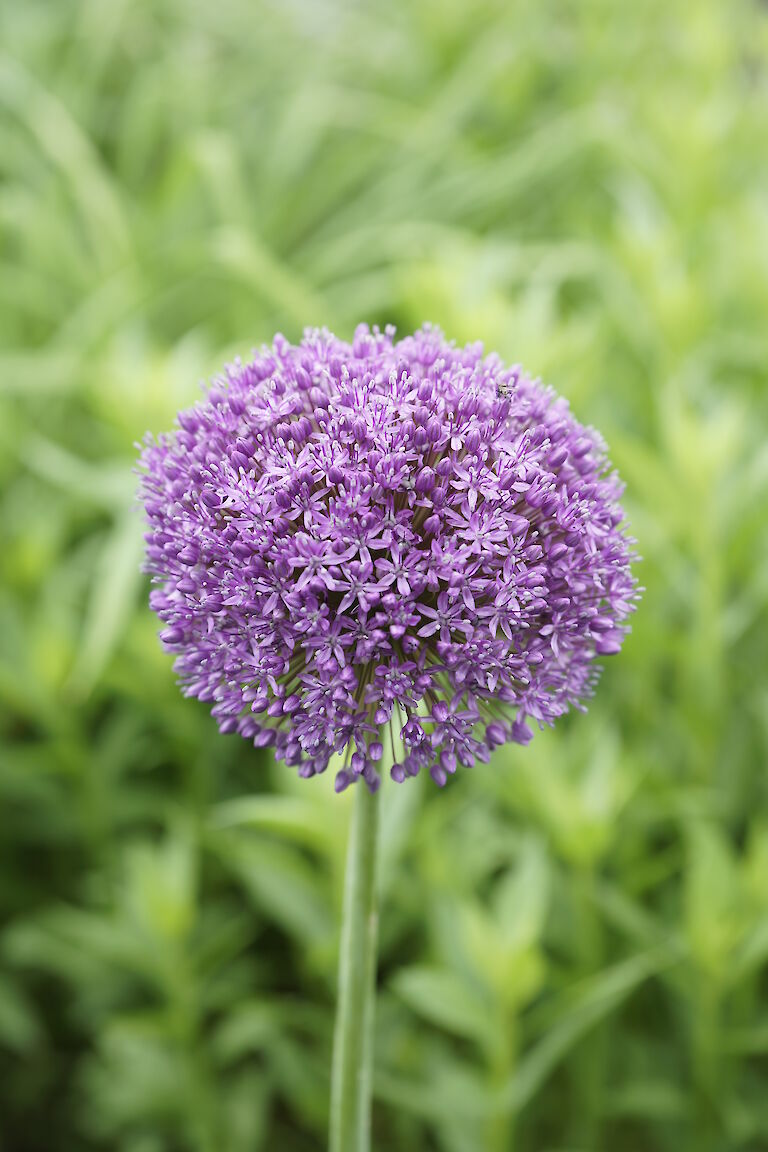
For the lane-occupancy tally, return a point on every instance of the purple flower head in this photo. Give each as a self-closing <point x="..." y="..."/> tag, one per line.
<point x="351" y="538"/>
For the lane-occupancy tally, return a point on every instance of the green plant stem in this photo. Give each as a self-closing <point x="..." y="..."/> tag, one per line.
<point x="501" y="1067"/>
<point x="353" y="1035"/>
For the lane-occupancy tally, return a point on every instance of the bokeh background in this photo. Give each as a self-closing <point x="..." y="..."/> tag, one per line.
<point x="574" y="951"/>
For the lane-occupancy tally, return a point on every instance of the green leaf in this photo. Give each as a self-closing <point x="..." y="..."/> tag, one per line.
<point x="283" y="885"/>
<point x="597" y="999"/>
<point x="287" y="816"/>
<point x="446" y="999"/>
<point x="521" y="898"/>
<point x="20" y="1029"/>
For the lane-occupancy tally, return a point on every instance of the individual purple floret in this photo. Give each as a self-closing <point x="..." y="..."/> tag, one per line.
<point x="349" y="539"/>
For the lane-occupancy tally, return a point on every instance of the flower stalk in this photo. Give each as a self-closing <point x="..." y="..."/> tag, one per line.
<point x="350" y="1129"/>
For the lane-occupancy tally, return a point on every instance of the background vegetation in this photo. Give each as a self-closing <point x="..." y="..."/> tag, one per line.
<point x="575" y="938"/>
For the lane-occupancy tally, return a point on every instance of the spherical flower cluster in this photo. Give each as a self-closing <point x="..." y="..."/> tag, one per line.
<point x="404" y="545"/>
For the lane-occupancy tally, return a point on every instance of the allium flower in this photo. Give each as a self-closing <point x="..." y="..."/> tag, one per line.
<point x="353" y="538"/>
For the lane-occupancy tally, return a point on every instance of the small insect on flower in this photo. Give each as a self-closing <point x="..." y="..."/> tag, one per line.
<point x="348" y="539"/>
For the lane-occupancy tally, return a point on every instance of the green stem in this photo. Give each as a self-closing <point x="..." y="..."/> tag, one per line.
<point x="353" y="1034"/>
<point x="501" y="1066"/>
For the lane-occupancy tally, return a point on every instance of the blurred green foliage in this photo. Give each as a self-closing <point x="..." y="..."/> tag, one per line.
<point x="574" y="945"/>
